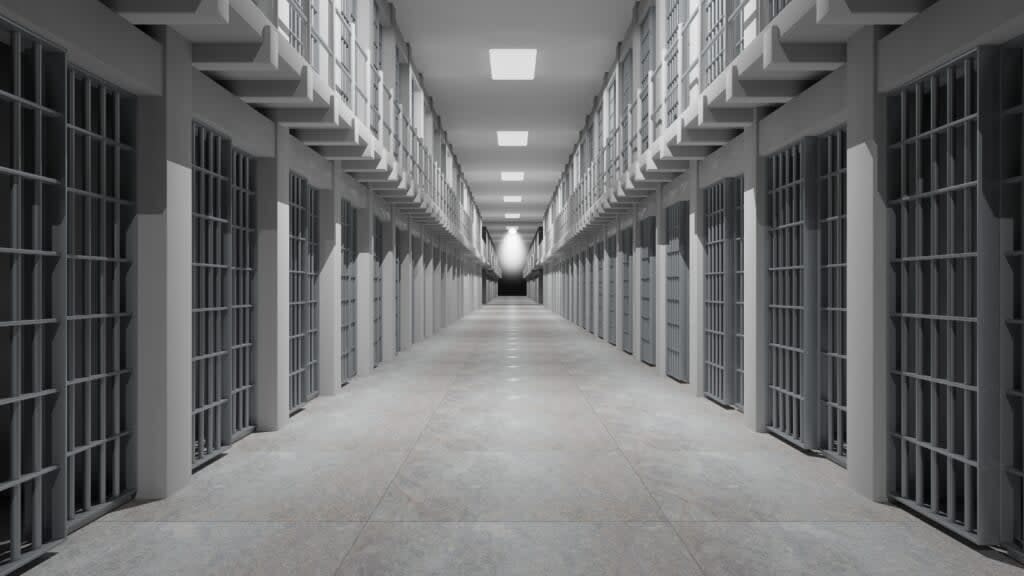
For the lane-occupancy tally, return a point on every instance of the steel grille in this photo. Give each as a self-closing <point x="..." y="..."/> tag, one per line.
<point x="378" y="291"/>
<point x="211" y="293"/>
<point x="627" y="290"/>
<point x="101" y="207"/>
<point x="832" y="291"/>
<point x="612" y="254"/>
<point x="349" y="240"/>
<point x="935" y="393"/>
<point x="598" y="252"/>
<point x="792" y="403"/>
<point x="713" y="55"/>
<point x="738" y="206"/>
<point x="677" y="292"/>
<point x="304" y="294"/>
<point x="723" y="261"/>
<point x="648" y="265"/>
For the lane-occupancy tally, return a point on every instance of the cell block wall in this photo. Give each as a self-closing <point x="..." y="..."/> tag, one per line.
<point x="677" y="292"/>
<point x="100" y="211"/>
<point x="934" y="391"/>
<point x="349" y="239"/>
<point x="831" y="176"/>
<point x="33" y="506"/>
<point x="304" y="294"/>
<point x="648" y="312"/>
<point x="211" y="293"/>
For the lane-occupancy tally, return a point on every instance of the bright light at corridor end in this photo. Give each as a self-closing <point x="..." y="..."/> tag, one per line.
<point x="513" y="138"/>
<point x="513" y="64"/>
<point x="512" y="253"/>
<point x="513" y="176"/>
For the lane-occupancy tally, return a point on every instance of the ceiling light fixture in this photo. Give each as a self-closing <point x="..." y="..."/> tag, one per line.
<point x="513" y="64"/>
<point x="513" y="138"/>
<point x="511" y="216"/>
<point x="513" y="199"/>
<point x="513" y="176"/>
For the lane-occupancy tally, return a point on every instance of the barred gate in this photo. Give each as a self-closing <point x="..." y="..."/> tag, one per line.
<point x="677" y="292"/>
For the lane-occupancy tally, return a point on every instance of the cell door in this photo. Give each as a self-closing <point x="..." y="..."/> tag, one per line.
<point x="677" y="292"/>
<point x="738" y="279"/>
<point x="599" y="278"/>
<point x="349" y="243"/>
<point x="211" y="293"/>
<point x="648" y="313"/>
<point x="378" y="291"/>
<point x="719" y="293"/>
<point x="304" y="294"/>
<point x="611" y="257"/>
<point x="945" y="394"/>
<point x="831" y="176"/>
<point x="589" y="300"/>
<point x="243" y="294"/>
<point x="100" y="210"/>
<point x="627" y="290"/>
<point x="400" y="248"/>
<point x="792" y="379"/>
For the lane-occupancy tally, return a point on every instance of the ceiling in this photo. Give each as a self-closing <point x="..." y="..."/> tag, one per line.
<point x="576" y="42"/>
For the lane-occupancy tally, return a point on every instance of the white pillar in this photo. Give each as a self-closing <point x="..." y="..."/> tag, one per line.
<point x="419" y="287"/>
<point x="406" y="288"/>
<point x="163" y="274"/>
<point x="364" y="287"/>
<point x="867" y="271"/>
<point x="329" y="284"/>
<point x="696" y="226"/>
<point x="429" y="303"/>
<point x="636" y="296"/>
<point x="660" y="284"/>
<point x="755" y="286"/>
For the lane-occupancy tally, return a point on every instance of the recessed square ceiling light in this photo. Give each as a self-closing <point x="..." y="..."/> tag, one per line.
<point x="512" y="229"/>
<point x="513" y="199"/>
<point x="513" y="138"/>
<point x="511" y="216"/>
<point x="513" y="176"/>
<point x="513" y="64"/>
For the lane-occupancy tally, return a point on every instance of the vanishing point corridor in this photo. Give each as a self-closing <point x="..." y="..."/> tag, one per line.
<point x="514" y="444"/>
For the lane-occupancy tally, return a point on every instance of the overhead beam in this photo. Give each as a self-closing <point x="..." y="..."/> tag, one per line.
<point x="759" y="92"/>
<point x="868" y="12"/>
<point x="172" y="12"/>
<point x="709" y="117"/>
<point x="801" y="57"/>
<point x="326" y="136"/>
<point x="315" y="117"/>
<point x="262" y="56"/>
<point x="275" y="93"/>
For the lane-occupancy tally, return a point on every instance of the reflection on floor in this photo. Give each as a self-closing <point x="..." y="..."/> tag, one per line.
<point x="512" y="444"/>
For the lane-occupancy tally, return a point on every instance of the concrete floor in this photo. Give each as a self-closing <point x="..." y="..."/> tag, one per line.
<point x="514" y="444"/>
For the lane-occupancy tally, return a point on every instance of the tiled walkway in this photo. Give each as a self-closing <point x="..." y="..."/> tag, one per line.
<point x="514" y="444"/>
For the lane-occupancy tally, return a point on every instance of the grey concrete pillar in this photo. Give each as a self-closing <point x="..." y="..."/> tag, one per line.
<point x="388" y="335"/>
<point x="405" y="298"/>
<point x="867" y="271"/>
<point x="163" y="234"/>
<point x="635" y="296"/>
<point x="618" y="283"/>
<point x="272" y="221"/>
<point x="419" y="288"/>
<point x="329" y="284"/>
<point x="429" y="303"/>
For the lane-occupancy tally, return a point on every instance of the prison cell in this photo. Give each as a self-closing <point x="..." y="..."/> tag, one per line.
<point x="627" y="290"/>
<point x="713" y="56"/>
<point x="1012" y="263"/>
<point x="677" y="292"/>
<point x="599" y="278"/>
<point x="722" y="346"/>
<point x="378" y="291"/>
<point x="211" y="293"/>
<point x="648" y="265"/>
<point x="32" y="299"/>
<point x="304" y="294"/>
<point x="792" y="246"/>
<point x="100" y="210"/>
<point x="610" y="246"/>
<point x="348" y="240"/>
<point x="831" y="175"/>
<point x="942" y="422"/>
